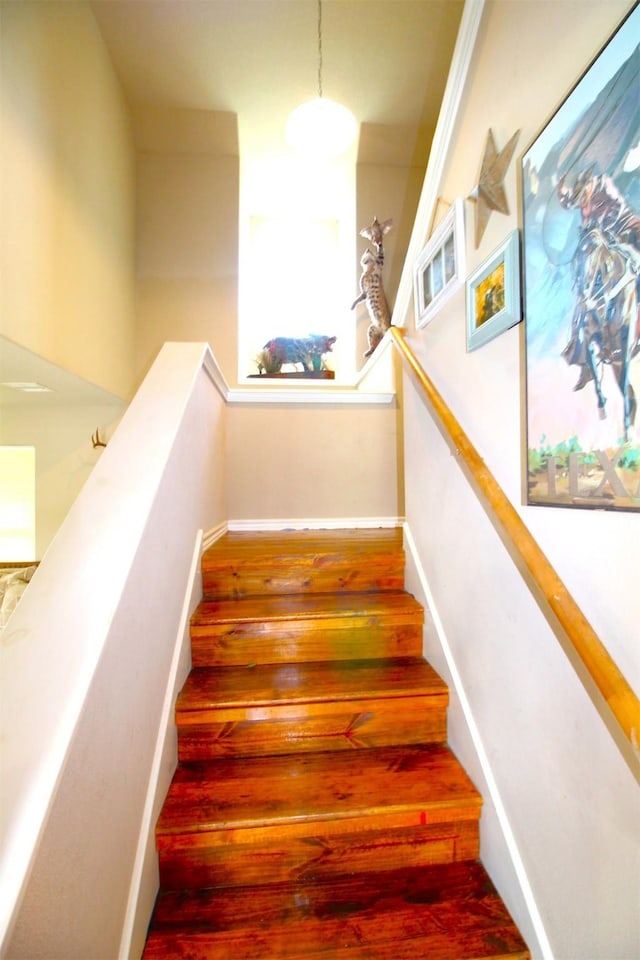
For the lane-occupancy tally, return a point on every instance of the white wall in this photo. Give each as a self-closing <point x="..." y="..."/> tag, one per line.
<point x="65" y="455"/>
<point x="66" y="194"/>
<point x="86" y="688"/>
<point x="558" y="794"/>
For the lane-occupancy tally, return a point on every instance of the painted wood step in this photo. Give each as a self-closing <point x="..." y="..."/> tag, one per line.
<point x="352" y="626"/>
<point x="449" y="912"/>
<point x="244" y="564"/>
<point x="279" y="818"/>
<point x="281" y="708"/>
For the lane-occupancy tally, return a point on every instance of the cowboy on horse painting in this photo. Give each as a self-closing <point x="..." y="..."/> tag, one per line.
<point x="606" y="271"/>
<point x="581" y="288"/>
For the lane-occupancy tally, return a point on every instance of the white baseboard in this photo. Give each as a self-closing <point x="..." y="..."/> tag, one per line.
<point x="333" y="523"/>
<point x="210" y="536"/>
<point x="144" y="879"/>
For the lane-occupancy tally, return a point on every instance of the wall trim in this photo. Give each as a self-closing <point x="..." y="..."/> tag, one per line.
<point x="144" y="877"/>
<point x="328" y="394"/>
<point x="333" y="523"/>
<point x="214" y="534"/>
<point x="460" y="62"/>
<point x="210" y="365"/>
<point x="483" y="758"/>
<point x="311" y="391"/>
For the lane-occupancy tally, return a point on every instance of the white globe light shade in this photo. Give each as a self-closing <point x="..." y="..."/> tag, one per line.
<point x="321" y="128"/>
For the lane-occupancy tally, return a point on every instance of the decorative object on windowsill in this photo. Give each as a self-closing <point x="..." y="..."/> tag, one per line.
<point x="321" y="128"/>
<point x="371" y="286"/>
<point x="309" y="352"/>
<point x="490" y="193"/>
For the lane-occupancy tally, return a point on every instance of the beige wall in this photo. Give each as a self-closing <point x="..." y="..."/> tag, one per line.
<point x="559" y="799"/>
<point x="65" y="455"/>
<point x="68" y="254"/>
<point x="67" y="189"/>
<point x="485" y="387"/>
<point x="188" y="176"/>
<point x="312" y="461"/>
<point x="389" y="176"/>
<point x="289" y="460"/>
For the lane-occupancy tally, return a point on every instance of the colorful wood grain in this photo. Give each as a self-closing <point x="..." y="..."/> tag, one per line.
<point x="317" y="811"/>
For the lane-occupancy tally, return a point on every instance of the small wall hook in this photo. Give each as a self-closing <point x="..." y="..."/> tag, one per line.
<point x="95" y="439"/>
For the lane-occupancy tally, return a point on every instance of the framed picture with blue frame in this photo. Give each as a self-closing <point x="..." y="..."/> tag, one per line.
<point x="493" y="294"/>
<point x="581" y="287"/>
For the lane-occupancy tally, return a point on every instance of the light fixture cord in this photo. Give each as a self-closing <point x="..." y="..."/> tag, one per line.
<point x="320" y="49"/>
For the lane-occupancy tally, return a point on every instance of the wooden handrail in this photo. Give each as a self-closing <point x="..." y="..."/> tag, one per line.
<point x="605" y="684"/>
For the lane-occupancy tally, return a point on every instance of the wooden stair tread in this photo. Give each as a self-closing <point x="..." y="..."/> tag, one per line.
<point x="312" y="682"/>
<point x="416" y="784"/>
<point x="354" y="606"/>
<point x="317" y="812"/>
<point x="449" y="912"/>
<point x="238" y="546"/>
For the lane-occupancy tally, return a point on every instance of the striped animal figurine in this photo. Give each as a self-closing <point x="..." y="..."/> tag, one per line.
<point x="371" y="286"/>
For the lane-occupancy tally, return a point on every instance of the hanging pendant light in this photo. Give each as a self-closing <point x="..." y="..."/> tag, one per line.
<point x="321" y="128"/>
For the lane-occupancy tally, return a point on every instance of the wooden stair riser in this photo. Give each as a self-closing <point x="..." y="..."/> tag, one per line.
<point x="235" y="649"/>
<point x="235" y="584"/>
<point x="439" y="936"/>
<point x="320" y="562"/>
<point x="307" y="629"/>
<point x="223" y="859"/>
<point x="241" y="644"/>
<point x="254" y="731"/>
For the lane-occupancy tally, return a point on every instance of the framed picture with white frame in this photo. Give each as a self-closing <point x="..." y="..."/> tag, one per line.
<point x="440" y="268"/>
<point x="493" y="294"/>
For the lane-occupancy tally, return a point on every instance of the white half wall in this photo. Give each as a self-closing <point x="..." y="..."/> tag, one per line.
<point x="84" y="688"/>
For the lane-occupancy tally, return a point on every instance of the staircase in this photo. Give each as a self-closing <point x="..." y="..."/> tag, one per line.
<point x="317" y="811"/>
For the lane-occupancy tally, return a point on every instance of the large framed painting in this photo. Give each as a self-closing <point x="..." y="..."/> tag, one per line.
<point x="581" y="285"/>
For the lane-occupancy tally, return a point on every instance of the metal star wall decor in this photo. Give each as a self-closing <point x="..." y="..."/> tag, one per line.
<point x="490" y="194"/>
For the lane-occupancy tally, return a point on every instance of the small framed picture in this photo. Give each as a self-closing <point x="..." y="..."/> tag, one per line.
<point x="440" y="267"/>
<point x="493" y="294"/>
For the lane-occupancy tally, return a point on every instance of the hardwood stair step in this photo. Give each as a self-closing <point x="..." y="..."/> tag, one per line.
<point x="271" y="819"/>
<point x="449" y="912"/>
<point x="279" y="708"/>
<point x="316" y="813"/>
<point x="311" y="627"/>
<point x="242" y="564"/>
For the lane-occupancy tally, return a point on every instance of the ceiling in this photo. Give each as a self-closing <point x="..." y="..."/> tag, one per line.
<point x="387" y="60"/>
<point x="18" y="365"/>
